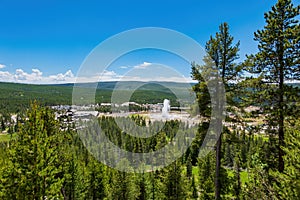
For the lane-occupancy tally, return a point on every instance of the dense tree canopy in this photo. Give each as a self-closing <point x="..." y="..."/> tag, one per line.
<point x="256" y="157"/>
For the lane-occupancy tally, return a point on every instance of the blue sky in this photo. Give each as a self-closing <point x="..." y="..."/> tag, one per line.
<point x="47" y="41"/>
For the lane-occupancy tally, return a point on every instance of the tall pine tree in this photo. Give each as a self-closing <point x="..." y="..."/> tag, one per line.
<point x="221" y="55"/>
<point x="276" y="63"/>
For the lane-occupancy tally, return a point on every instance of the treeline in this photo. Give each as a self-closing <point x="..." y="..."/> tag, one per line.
<point x="46" y="162"/>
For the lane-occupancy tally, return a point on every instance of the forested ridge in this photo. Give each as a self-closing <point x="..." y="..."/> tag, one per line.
<point x="16" y="97"/>
<point x="255" y="157"/>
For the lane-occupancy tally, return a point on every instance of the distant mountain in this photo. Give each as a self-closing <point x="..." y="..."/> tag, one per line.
<point x="130" y="85"/>
<point x="295" y="84"/>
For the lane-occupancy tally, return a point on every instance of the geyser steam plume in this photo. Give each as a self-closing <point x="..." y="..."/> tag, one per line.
<point x="166" y="108"/>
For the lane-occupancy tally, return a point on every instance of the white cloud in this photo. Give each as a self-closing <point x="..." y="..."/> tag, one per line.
<point x="147" y="71"/>
<point x="37" y="72"/>
<point x="66" y="77"/>
<point x="69" y="74"/>
<point x="142" y="72"/>
<point x="36" y="76"/>
<point x="109" y="76"/>
<point x="106" y="75"/>
<point x="143" y="65"/>
<point x="123" y="67"/>
<point x="2" y="66"/>
<point x="6" y="76"/>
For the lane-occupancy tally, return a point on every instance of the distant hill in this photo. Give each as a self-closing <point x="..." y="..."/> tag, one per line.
<point x="295" y="84"/>
<point x="15" y="96"/>
<point x="129" y="85"/>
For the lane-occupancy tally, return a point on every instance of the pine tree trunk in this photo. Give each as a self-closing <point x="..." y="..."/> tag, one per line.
<point x="281" y="118"/>
<point x="219" y="142"/>
<point x="218" y="166"/>
<point x="281" y="103"/>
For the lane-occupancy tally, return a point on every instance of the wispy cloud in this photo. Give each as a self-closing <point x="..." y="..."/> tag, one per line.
<point x="143" y="65"/>
<point x="109" y="75"/>
<point x="2" y="66"/>
<point x="106" y="75"/>
<point x="148" y="71"/>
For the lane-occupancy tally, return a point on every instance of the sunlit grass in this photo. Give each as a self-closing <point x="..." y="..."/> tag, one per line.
<point x="7" y="137"/>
